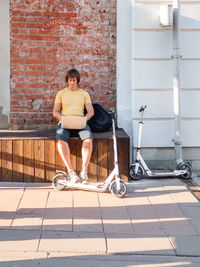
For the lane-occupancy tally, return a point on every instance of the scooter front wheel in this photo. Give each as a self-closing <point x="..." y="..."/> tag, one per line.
<point x="55" y="181"/>
<point x="133" y="174"/>
<point x="114" y="190"/>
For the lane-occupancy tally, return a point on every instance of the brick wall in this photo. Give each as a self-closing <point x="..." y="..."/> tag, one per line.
<point x="47" y="38"/>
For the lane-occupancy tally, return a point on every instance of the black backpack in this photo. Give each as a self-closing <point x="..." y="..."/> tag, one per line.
<point x="101" y="121"/>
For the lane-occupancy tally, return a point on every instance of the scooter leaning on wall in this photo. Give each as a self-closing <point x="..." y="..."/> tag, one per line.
<point x="113" y="183"/>
<point x="140" y="168"/>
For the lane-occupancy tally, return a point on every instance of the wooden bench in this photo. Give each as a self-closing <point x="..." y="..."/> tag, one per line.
<point x="32" y="156"/>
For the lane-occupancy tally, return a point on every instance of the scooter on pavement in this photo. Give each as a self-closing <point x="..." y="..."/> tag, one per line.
<point x="113" y="183"/>
<point x="140" y="168"/>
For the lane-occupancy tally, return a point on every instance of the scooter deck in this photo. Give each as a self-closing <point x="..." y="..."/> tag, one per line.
<point x="86" y="187"/>
<point x="164" y="173"/>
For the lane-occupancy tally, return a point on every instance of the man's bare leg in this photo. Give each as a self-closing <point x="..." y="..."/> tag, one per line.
<point x="64" y="151"/>
<point x="86" y="152"/>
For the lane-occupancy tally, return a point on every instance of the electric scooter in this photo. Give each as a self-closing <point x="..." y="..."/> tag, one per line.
<point x="140" y="168"/>
<point x="113" y="183"/>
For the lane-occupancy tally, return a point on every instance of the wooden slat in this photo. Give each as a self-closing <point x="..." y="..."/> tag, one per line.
<point x="7" y="160"/>
<point x="60" y="165"/>
<point x="79" y="157"/>
<point x="73" y="152"/>
<point x="29" y="162"/>
<point x="39" y="160"/>
<point x="102" y="160"/>
<point x="0" y="162"/>
<point x="123" y="158"/>
<point x="92" y="169"/>
<point x="18" y="169"/>
<point x="50" y="159"/>
<point x="110" y="156"/>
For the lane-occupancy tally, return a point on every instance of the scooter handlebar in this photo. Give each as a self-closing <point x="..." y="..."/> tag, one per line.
<point x="112" y="112"/>
<point x="142" y="108"/>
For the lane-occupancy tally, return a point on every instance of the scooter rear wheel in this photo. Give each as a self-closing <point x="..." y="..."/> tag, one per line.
<point x="187" y="167"/>
<point x="118" y="193"/>
<point x="56" y="185"/>
<point x="133" y="174"/>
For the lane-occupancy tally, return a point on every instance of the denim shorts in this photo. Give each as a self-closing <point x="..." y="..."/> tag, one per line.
<point x="65" y="134"/>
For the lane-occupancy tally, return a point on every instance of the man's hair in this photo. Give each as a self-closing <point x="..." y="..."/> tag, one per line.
<point x="73" y="73"/>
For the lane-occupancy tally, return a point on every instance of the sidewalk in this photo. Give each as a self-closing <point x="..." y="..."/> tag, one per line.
<point x="156" y="223"/>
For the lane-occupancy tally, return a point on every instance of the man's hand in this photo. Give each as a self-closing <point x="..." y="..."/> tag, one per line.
<point x="90" y="111"/>
<point x="56" y="111"/>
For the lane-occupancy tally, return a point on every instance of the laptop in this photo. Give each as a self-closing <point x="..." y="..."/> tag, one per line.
<point x="73" y="122"/>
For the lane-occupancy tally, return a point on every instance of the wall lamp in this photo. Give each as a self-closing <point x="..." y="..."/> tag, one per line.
<point x="166" y="15"/>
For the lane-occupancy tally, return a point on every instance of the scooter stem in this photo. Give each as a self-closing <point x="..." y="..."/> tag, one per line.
<point x="141" y="126"/>
<point x="115" y="148"/>
<point x="140" y="134"/>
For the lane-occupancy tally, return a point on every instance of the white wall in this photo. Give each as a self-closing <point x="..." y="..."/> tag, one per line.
<point x="124" y="68"/>
<point x="124" y="65"/>
<point x="152" y="71"/>
<point x="5" y="55"/>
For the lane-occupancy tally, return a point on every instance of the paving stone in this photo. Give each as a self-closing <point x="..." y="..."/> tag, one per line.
<point x="59" y="212"/>
<point x="31" y="210"/>
<point x="12" y="185"/>
<point x="139" y="244"/>
<point x="193" y="215"/>
<point x="10" y="197"/>
<point x="87" y="213"/>
<point x="6" y="218"/>
<point x="186" y="245"/>
<point x="72" y="242"/>
<point x="16" y="240"/>
<point x="115" y="215"/>
<point x="63" y="259"/>
<point x="143" y="216"/>
<point x="181" y="194"/>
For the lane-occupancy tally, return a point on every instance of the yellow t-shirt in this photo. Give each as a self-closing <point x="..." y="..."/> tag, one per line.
<point x="72" y="102"/>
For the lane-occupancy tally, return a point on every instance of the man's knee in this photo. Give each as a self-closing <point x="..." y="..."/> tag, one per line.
<point x="61" y="142"/>
<point x="87" y="143"/>
<point x="87" y="140"/>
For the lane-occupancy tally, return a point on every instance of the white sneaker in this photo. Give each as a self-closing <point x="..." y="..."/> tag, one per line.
<point x="73" y="177"/>
<point x="84" y="177"/>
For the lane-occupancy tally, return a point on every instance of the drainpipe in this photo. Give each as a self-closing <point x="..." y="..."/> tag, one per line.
<point x="176" y="82"/>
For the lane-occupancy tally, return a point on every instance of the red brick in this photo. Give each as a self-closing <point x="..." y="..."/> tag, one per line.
<point x="49" y="37"/>
<point x="33" y="61"/>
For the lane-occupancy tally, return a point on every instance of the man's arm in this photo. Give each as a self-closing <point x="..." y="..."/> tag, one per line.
<point x="56" y="111"/>
<point x="90" y="111"/>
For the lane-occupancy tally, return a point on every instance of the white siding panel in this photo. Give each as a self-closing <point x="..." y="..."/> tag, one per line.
<point x="190" y="44"/>
<point x="191" y="104"/>
<point x="191" y="132"/>
<point x="146" y="2"/>
<point x="160" y="133"/>
<point x="159" y="44"/>
<point x="153" y="44"/>
<point x="190" y="16"/>
<point x="159" y="104"/>
<point x="190" y="74"/>
<point x="152" y="74"/>
<point x="159" y="74"/>
<point x="146" y="16"/>
<point x="155" y="133"/>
